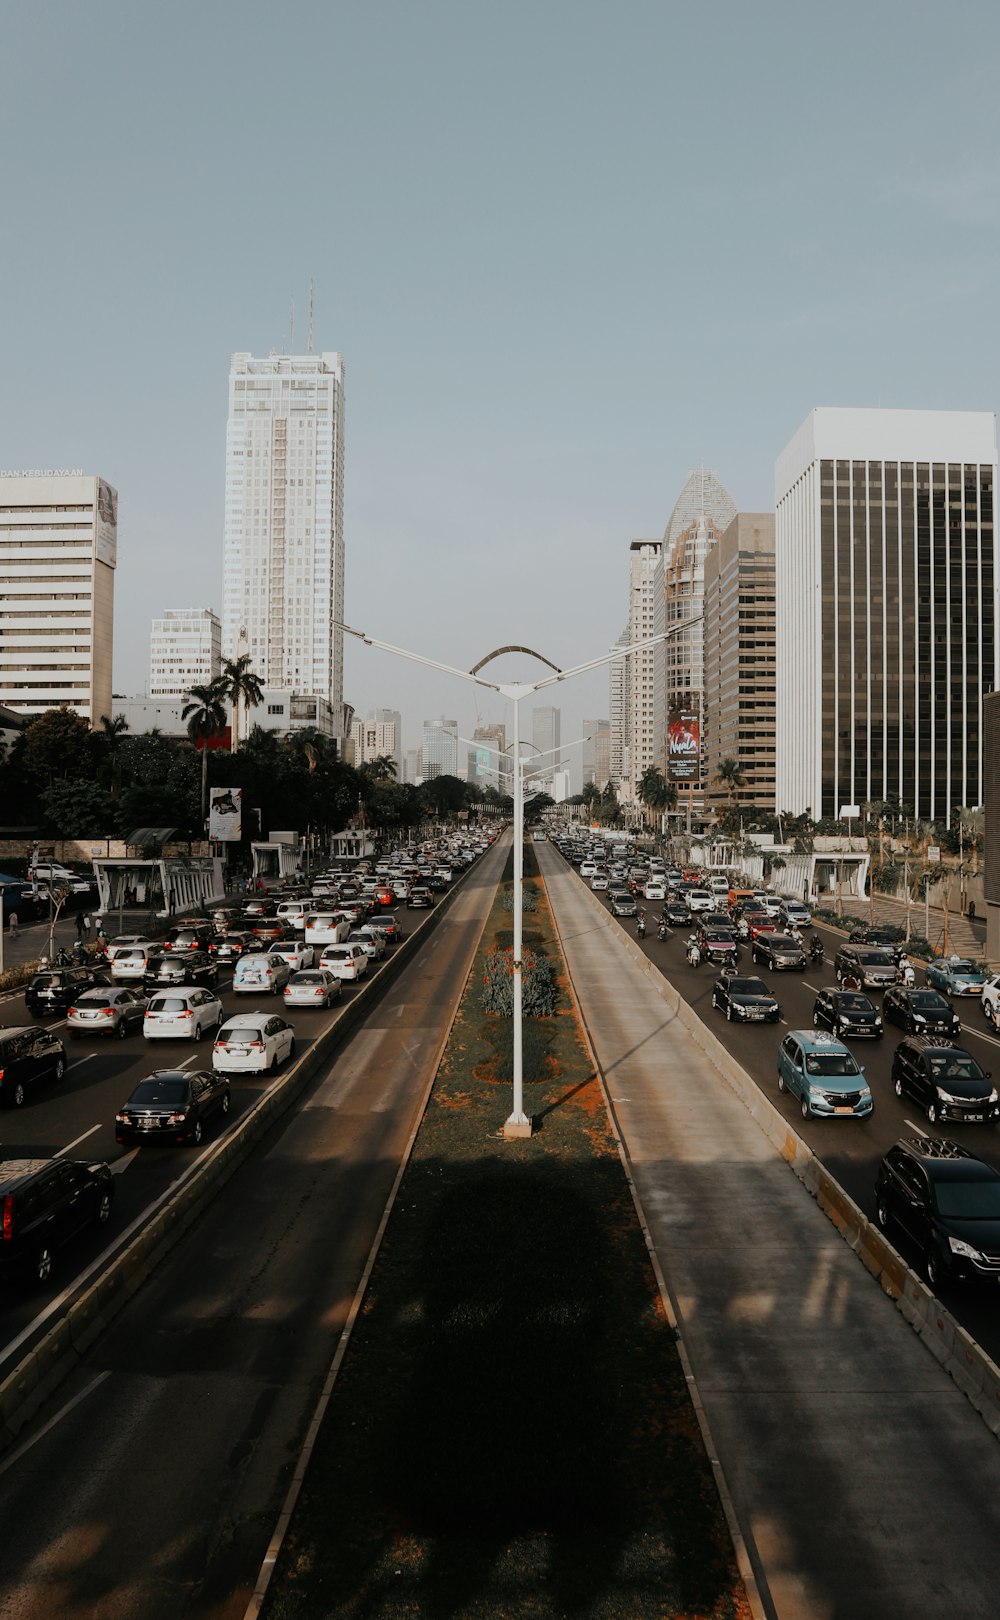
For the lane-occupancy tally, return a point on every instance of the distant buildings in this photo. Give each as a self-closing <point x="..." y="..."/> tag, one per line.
<point x="596" y="765"/>
<point x="58" y="551"/>
<point x="439" y="754"/>
<point x="284" y="537"/>
<point x="185" y="650"/>
<point x="886" y="588"/>
<point x="639" y="671"/>
<point x="378" y="736"/>
<point x="739" y="653"/>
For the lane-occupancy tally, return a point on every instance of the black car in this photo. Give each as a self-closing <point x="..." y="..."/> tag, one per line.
<point x="946" y="1081"/>
<point x="745" y="999"/>
<point x="172" y="1105"/>
<point x="28" y="1056"/>
<point x="921" y="1012"/>
<point x="166" y="971"/>
<point x="945" y="1200"/>
<point x="849" y="1014"/>
<point x="189" y="937"/>
<point x="233" y="944"/>
<point x="44" y="1204"/>
<point x="623" y="905"/>
<point x="675" y="915"/>
<point x="780" y="951"/>
<point x="54" y="989"/>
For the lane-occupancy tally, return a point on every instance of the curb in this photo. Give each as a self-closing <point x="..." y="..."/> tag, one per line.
<point x="30" y="1383"/>
<point x="967" y="1364"/>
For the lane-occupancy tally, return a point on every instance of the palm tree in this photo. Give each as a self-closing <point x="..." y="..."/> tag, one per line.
<point x="654" y="791"/>
<point x="206" y="717"/>
<point x="730" y="774"/>
<point x="240" y="685"/>
<point x="111" y="731"/>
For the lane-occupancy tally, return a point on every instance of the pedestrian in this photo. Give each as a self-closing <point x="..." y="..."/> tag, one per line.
<point x="84" y="925"/>
<point x="972" y="911"/>
<point x="13" y="925"/>
<point x="172" y="902"/>
<point x="80" y="924"/>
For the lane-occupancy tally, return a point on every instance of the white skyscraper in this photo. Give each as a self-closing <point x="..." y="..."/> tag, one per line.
<point x="185" y="650"/>
<point x="284" y="530"/>
<point x="439" y="755"/>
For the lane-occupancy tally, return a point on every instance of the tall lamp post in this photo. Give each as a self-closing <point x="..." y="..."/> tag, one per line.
<point x="518" y="1124"/>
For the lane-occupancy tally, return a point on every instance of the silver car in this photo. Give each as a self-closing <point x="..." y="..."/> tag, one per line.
<point x="313" y="987"/>
<point x="114" y="1011"/>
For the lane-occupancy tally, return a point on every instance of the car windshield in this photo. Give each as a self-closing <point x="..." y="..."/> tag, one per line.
<point x="46" y="981"/>
<point x="240" y="1035"/>
<point x="308" y="978"/>
<point x="748" y="987"/>
<point x="968" y="1200"/>
<point x="168" y="1004"/>
<point x="963" y="967"/>
<point x="831" y="1063"/>
<point x="929" y="999"/>
<point x="854" y="1003"/>
<point x="160" y="1091"/>
<point x="874" y="959"/>
<point x="956" y="1066"/>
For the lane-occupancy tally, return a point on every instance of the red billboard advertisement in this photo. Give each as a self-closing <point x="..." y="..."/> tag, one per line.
<point x="683" y="745"/>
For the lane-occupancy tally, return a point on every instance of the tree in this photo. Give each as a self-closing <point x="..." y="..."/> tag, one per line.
<point x="57" y="745"/>
<point x="76" y="810"/>
<point x="730" y="775"/>
<point x="206" y="716"/>
<point x="240" y="686"/>
<point x="109" y="734"/>
<point x="380" y="769"/>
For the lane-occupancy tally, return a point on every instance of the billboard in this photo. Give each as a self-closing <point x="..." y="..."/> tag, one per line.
<point x="107" y="523"/>
<point x="225" y="814"/>
<point x="683" y="745"/>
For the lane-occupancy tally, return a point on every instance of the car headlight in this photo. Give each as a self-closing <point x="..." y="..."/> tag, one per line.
<point x="945" y="1096"/>
<point x="918" y="1018"/>
<point x="958" y="1246"/>
<point x="878" y="1018"/>
<point x="992" y="1096"/>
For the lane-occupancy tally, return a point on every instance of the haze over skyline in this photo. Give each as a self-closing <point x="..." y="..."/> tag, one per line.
<point x="568" y="252"/>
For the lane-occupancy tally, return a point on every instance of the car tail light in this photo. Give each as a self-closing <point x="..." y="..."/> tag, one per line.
<point x="185" y="1014"/>
<point x="178" y="1119"/>
<point x="8" y="1218"/>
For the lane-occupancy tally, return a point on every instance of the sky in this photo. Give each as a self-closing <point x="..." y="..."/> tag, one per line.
<point x="569" y="251"/>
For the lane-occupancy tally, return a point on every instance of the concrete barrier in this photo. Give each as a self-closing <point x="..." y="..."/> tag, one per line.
<point x="971" y="1369"/>
<point x="29" y="1384"/>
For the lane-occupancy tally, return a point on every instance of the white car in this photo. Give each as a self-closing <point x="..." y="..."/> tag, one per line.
<point x="371" y="940"/>
<point x="700" y="900"/>
<point x="314" y="987"/>
<point x="130" y="961"/>
<point x="989" y="1000"/>
<point x="327" y="927"/>
<point x="253" y="1043"/>
<point x="346" y="961"/>
<point x="295" y="953"/>
<point x="187" y="1013"/>
<point x="260" y="973"/>
<point x="656" y="889"/>
<point x="599" y="880"/>
<point x="292" y="913"/>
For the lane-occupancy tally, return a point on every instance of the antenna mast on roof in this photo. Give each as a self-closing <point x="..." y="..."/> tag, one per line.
<point x="312" y="288"/>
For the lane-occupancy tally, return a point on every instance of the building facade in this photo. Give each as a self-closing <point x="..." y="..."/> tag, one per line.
<point x="439" y="754"/>
<point x="185" y="650"/>
<point x="618" y="706"/>
<point x="284" y="524"/>
<point x="739" y="651"/>
<point x="596" y="765"/>
<point x="378" y="736"/>
<point x="640" y="667"/>
<point x="886" y="587"/>
<point x="58" y="552"/>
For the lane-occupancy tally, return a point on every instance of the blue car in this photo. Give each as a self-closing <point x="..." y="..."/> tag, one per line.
<point x="824" y="1075"/>
<point x="956" y="976"/>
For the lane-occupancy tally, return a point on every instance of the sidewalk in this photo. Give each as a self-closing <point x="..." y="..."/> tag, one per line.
<point x="33" y="938"/>
<point x="965" y="937"/>
<point x="866" y="1485"/>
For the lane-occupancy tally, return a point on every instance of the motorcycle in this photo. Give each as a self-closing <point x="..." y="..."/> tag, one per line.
<point x="816" y="952"/>
<point x="694" y="953"/>
<point x="728" y="960"/>
<point x="662" y="931"/>
<point x="640" y="927"/>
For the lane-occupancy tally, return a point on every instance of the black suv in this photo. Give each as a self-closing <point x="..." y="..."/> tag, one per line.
<point x="947" y="1202"/>
<point x="946" y="1081"/>
<point x="27" y="1057"/>
<point x="746" y="999"/>
<point x="921" y="1012"/>
<point x="166" y="971"/>
<point x="848" y="1014"/>
<point x="44" y="1203"/>
<point x="53" y="990"/>
<point x="189" y="937"/>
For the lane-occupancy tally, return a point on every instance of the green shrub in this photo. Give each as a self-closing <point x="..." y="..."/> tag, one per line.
<point x="536" y="1038"/>
<point x="539" y="991"/>
<point x="528" y="901"/>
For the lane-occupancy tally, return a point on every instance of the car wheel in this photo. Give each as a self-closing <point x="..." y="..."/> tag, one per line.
<point x="195" y="1133"/>
<point x="120" y="1029"/>
<point x="43" y="1264"/>
<point x="729" y="1012"/>
<point x="932" y="1113"/>
<point x="104" y="1209"/>
<point x="199" y="1031"/>
<point x="17" y="1095"/>
<point x="274" y="1064"/>
<point x="815" y="1020"/>
<point x="224" y="1105"/>
<point x="805" y="1108"/>
<point x="781" y="1081"/>
<point x="936" y="1272"/>
<point x="897" y="1085"/>
<point x="882" y="1214"/>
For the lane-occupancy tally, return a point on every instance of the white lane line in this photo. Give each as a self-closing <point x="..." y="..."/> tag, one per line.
<point x="21" y="1451"/>
<point x="918" y="1128"/>
<point x="75" y="1065"/>
<point x="70" y="1145"/>
<point x="124" y="1162"/>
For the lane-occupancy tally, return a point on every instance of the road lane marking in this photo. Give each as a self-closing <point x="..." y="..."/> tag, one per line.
<point x="918" y="1128"/>
<point x="79" y="1139"/>
<point x="76" y="1064"/>
<point x="124" y="1162"/>
<point x="64" y="1411"/>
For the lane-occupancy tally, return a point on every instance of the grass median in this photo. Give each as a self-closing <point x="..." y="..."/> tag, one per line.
<point x="511" y="1433"/>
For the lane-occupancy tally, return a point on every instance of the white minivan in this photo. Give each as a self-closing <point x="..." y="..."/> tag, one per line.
<point x="326" y="928"/>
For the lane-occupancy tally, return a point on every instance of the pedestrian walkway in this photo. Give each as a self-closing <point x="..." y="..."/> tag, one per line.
<point x="960" y="936"/>
<point x="866" y="1486"/>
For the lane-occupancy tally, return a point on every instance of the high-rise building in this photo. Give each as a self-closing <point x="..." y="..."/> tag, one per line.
<point x="284" y="528"/>
<point x="640" y="667"/>
<point x="886" y="587"/>
<point x="439" y="754"/>
<point x="739" y="639"/>
<point x="58" y="551"/>
<point x="185" y="650"/>
<point x="597" y="753"/>
<point x="703" y="510"/>
<point x="378" y="736"/>
<point x="618" y="705"/>
<point x="486" y="762"/>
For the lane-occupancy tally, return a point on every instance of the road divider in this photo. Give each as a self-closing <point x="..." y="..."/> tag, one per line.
<point x="971" y="1369"/>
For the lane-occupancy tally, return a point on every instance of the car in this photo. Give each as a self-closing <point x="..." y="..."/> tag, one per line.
<point x="794" y="914"/>
<point x="115" y="1011"/>
<point x="957" y="976"/>
<point x="781" y="952"/>
<point x="946" y="1081"/>
<point x="189" y="937"/>
<point x="622" y="905"/>
<point x="44" y="1204"/>
<point x="883" y="939"/>
<point x="869" y="968"/>
<point x="675" y="915"/>
<point x="269" y="930"/>
<point x="371" y="940"/>
<point x="294" y="952"/>
<point x="233" y="944"/>
<point x="326" y="927"/>
<point x="947" y="1202"/>
<point x="420" y="898"/>
<point x="346" y="961"/>
<point x="253" y="1043"/>
<point x="388" y="924"/>
<point x="921" y="1012"/>
<point x="847" y="1013"/>
<point x="172" y="1105"/>
<point x="745" y="999"/>
<point x="823" y="1074"/>
<point x="53" y="989"/>
<point x="164" y="971"/>
<point x="260" y="973"/>
<point x="700" y="899"/>
<point x="655" y="889"/>
<point x="28" y="1057"/>
<point x="122" y="942"/>
<point x="189" y="1012"/>
<point x="257" y="905"/>
<point x="599" y="881"/>
<point x="131" y="961"/>
<point x="756" y="923"/>
<point x="990" y="1000"/>
<point x="717" y="945"/>
<point x="292" y="913"/>
<point x="313" y="987"/>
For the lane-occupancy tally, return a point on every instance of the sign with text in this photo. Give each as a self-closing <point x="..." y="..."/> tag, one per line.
<point x="225" y="814"/>
<point x="683" y="745"/>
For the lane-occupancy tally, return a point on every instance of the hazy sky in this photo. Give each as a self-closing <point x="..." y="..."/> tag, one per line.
<point x="569" y="251"/>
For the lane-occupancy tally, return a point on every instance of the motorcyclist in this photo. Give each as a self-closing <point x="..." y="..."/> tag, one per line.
<point x="907" y="972"/>
<point x="693" y="950"/>
<point x="640" y="924"/>
<point x="661" y="928"/>
<point x="816" y="952"/>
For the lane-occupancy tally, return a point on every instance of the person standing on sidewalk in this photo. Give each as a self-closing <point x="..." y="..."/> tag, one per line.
<point x="972" y="911"/>
<point x="14" y="925"/>
<point x="81" y="923"/>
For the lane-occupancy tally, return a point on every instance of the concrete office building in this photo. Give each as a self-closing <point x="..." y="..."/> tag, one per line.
<point x="439" y="754"/>
<point x="378" y="736"/>
<point x="185" y="650"/>
<point x="886" y="600"/>
<point x="618" y="707"/>
<point x="739" y="652"/>
<point x="640" y="667"/>
<point x="596" y="766"/>
<point x="58" y="552"/>
<point x="284" y="524"/>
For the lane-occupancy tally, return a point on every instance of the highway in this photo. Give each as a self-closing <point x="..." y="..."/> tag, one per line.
<point x="151" y="1483"/>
